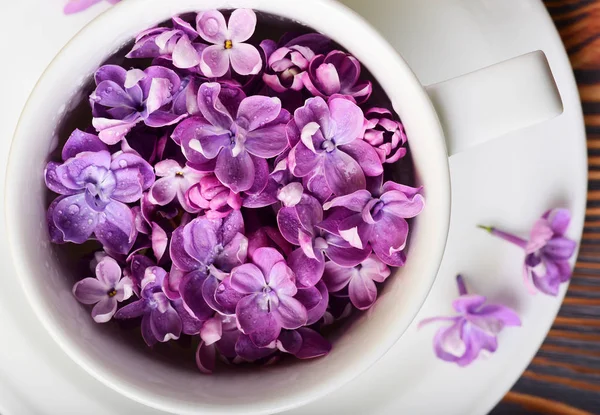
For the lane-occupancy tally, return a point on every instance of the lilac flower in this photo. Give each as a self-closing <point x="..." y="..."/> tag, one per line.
<point x="241" y="144"/>
<point x="286" y="66"/>
<point x="76" y="6"/>
<point x="211" y="195"/>
<point x="228" y="43"/>
<point x="268" y="306"/>
<point x="106" y="290"/>
<point x="123" y="98"/>
<point x="474" y="330"/>
<point x="337" y="73"/>
<point x="360" y="280"/>
<point x="547" y="252"/>
<point x="175" y="43"/>
<point x="160" y="321"/>
<point x="95" y="188"/>
<point x="330" y="153"/>
<point x="300" y="225"/>
<point x="385" y="134"/>
<point x="377" y="219"/>
<point x="281" y="186"/>
<point x="174" y="183"/>
<point x="219" y="334"/>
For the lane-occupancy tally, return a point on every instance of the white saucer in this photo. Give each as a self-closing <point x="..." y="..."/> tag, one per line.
<point x="509" y="182"/>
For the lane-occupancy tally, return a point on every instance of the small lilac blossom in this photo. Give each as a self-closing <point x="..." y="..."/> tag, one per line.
<point x="228" y="45"/>
<point x="210" y="195"/>
<point x="174" y="43"/>
<point x="95" y="188"/>
<point x="385" y="134"/>
<point x="547" y="252"/>
<point x="337" y="73"/>
<point x="240" y="144"/>
<point x="378" y="219"/>
<point x="286" y="66"/>
<point x="105" y="291"/>
<point x="175" y="180"/>
<point x="473" y="331"/>
<point x="330" y="152"/>
<point x="269" y="286"/>
<point x="76" y="6"/>
<point x="160" y="320"/>
<point x="274" y="192"/>
<point x="360" y="280"/>
<point x="219" y="334"/>
<point x="123" y="99"/>
<point x="300" y="226"/>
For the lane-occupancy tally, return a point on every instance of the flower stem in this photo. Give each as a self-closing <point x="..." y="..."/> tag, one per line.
<point x="522" y="243"/>
<point x="462" y="287"/>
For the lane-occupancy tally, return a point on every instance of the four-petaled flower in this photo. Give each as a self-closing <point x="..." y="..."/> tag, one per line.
<point x="106" y="290"/>
<point x="175" y="180"/>
<point x="228" y="43"/>
<point x="547" y="252"/>
<point x="269" y="286"/>
<point x="474" y="330"/>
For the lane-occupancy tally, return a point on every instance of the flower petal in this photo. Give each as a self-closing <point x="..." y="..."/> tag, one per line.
<point x="54" y="182"/>
<point x="237" y="173"/>
<point x="282" y="279"/>
<point x="133" y="310"/>
<point x="212" y="330"/>
<point x="362" y="291"/>
<point x="206" y="358"/>
<point x="247" y="279"/>
<point x="185" y="55"/>
<point x="559" y="220"/>
<point x="108" y="272"/>
<point x="242" y="23"/>
<point x="75" y="219"/>
<point x="245" y="59"/>
<point x="355" y="201"/>
<point x="190" y="289"/>
<point x="289" y="341"/>
<point x="247" y="350"/>
<point x="308" y="271"/>
<point x="560" y="248"/>
<point x="290" y="313"/>
<point x="123" y="160"/>
<point x="389" y="240"/>
<point x="315" y="300"/>
<point x="212" y="27"/>
<point x="104" y="310"/>
<point x="313" y="344"/>
<point x="80" y="141"/>
<point x="160" y="241"/>
<point x="349" y="121"/>
<point x="165" y="326"/>
<point x="343" y="173"/>
<point x="253" y="314"/>
<point x="266" y="258"/>
<point x="90" y="291"/>
<point x="215" y="61"/>
<point x="366" y="156"/>
<point x="397" y="204"/>
<point x="116" y="228"/>
<point x="337" y="277"/>
<point x="163" y="191"/>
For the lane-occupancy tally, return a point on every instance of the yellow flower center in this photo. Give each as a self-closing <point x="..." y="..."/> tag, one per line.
<point x="179" y="173"/>
<point x="228" y="44"/>
<point x="112" y="293"/>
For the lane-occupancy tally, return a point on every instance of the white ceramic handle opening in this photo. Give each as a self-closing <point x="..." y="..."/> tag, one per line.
<point x="496" y="100"/>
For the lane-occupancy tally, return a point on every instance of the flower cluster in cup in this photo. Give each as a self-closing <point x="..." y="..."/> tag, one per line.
<point x="241" y="189"/>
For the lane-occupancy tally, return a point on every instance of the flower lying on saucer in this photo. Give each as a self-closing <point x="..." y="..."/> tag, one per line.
<point x="245" y="188"/>
<point x="474" y="330"/>
<point x="547" y="252"/>
<point x="76" y="6"/>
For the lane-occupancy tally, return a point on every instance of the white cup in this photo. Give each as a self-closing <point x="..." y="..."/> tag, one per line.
<point x="470" y="109"/>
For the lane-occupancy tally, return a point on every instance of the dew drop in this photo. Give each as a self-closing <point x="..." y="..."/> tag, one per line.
<point x="221" y="288"/>
<point x="73" y="209"/>
<point x="109" y="234"/>
<point x="123" y="163"/>
<point x="90" y="221"/>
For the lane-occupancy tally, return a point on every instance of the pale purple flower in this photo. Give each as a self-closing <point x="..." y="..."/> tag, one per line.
<point x="300" y="225"/>
<point x="329" y="152"/>
<point x="175" y="180"/>
<point x="105" y="291"/>
<point x="385" y="134"/>
<point x="473" y="331"/>
<point x="337" y="73"/>
<point x="285" y="67"/>
<point x="123" y="99"/>
<point x="547" y="252"/>
<point x="174" y="43"/>
<point x="76" y="6"/>
<point x="228" y="43"/>
<point x="95" y="188"/>
<point x="269" y="286"/>
<point x="241" y="143"/>
<point x="360" y="280"/>
<point x="377" y="219"/>
<point x="210" y="195"/>
<point x="160" y="321"/>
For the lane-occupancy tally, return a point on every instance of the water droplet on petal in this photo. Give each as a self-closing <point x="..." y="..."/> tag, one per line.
<point x="221" y="288"/>
<point x="73" y="209"/>
<point x="123" y="163"/>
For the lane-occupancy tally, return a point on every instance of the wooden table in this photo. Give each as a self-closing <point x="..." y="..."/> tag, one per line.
<point x="564" y="377"/>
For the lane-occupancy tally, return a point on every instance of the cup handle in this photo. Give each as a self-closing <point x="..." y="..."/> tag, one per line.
<point x="496" y="100"/>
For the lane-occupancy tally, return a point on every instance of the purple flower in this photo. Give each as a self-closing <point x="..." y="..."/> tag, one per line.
<point x="76" y="6"/>
<point x="377" y="219"/>
<point x="96" y="187"/>
<point x="286" y="66"/>
<point x="240" y="145"/>
<point x="174" y="182"/>
<point x="211" y="195"/>
<point x="228" y="43"/>
<point x="474" y="330"/>
<point x="360" y="280"/>
<point x="300" y="226"/>
<point x="385" y="134"/>
<point x="219" y="334"/>
<point x="547" y="252"/>
<point x="106" y="290"/>
<point x="303" y="343"/>
<point x="160" y="321"/>
<point x="269" y="305"/>
<point x="337" y="73"/>
<point x="329" y="152"/>
<point x="124" y="98"/>
<point x="175" y="43"/>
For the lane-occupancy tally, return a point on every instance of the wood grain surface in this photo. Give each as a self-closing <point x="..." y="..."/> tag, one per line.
<point x="564" y="377"/>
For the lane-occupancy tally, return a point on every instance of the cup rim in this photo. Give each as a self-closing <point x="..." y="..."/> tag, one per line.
<point x="292" y="10"/>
